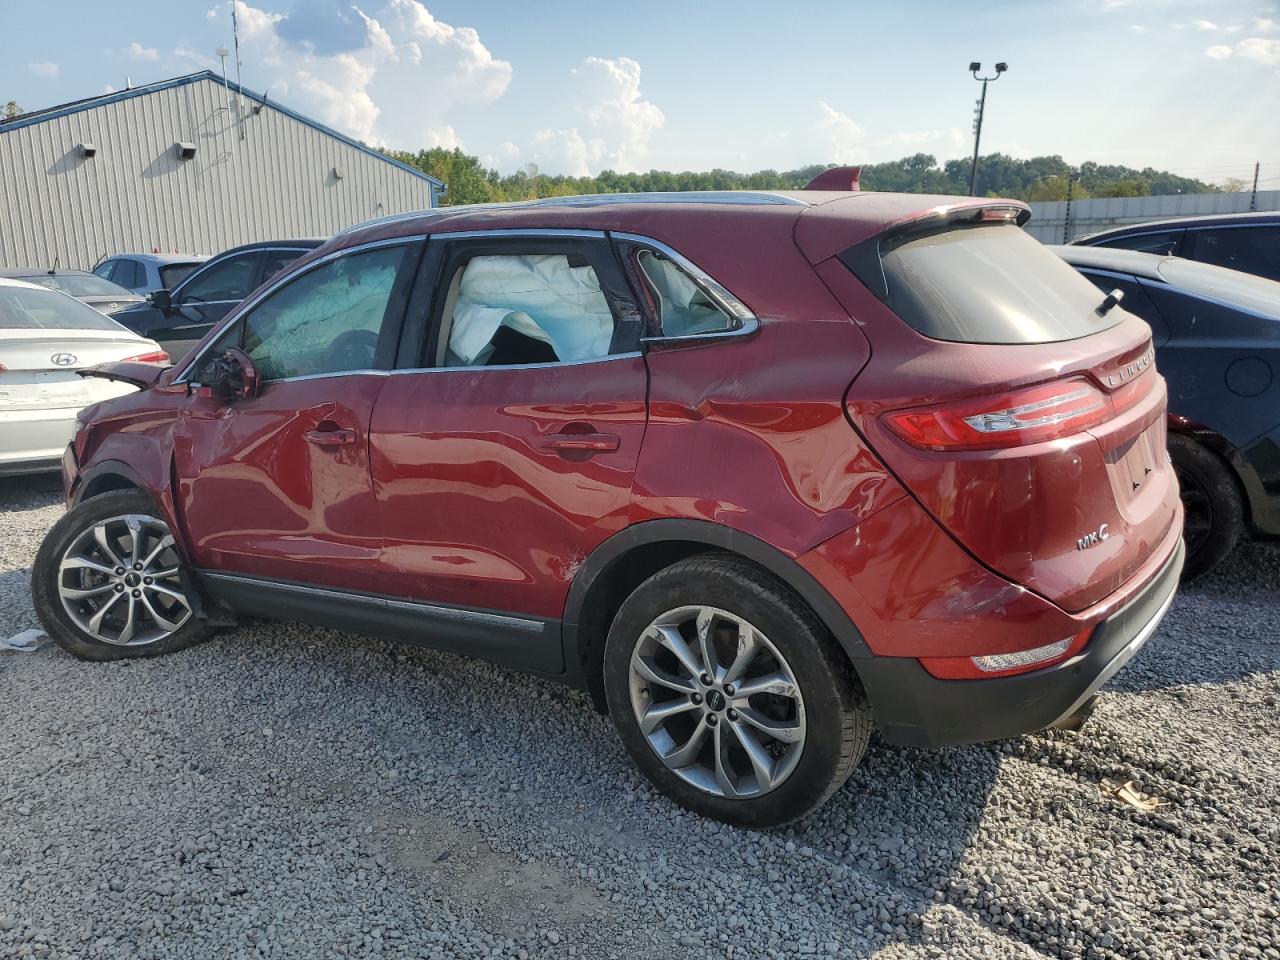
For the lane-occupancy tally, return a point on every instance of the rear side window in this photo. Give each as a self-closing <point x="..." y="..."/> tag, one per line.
<point x="1164" y="243"/>
<point x="990" y="283"/>
<point x="104" y="269"/>
<point x="1253" y="250"/>
<point x="174" y="273"/>
<point x="683" y="308"/>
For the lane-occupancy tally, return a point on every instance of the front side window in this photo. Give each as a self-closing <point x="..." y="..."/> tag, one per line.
<point x="229" y="279"/>
<point x="1164" y="244"/>
<point x="528" y="308"/>
<point x="328" y="320"/>
<point x="1253" y="250"/>
<point x="683" y="308"/>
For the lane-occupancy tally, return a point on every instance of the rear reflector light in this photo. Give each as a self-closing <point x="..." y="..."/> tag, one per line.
<point x="1004" y="664"/>
<point x="156" y="356"/>
<point x="1046" y="412"/>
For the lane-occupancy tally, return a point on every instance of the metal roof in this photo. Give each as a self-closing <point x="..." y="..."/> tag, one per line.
<point x="88" y="103"/>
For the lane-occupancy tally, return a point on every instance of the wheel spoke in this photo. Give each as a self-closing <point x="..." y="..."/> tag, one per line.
<point x="95" y="622"/>
<point x="171" y="594"/>
<point x="724" y="773"/>
<point x="135" y="538"/>
<point x="659" y="713"/>
<point x="72" y="593"/>
<point x="646" y="669"/>
<point x="670" y="638"/>
<point x="710" y="663"/>
<point x="161" y="619"/>
<point x="747" y="648"/>
<point x="761" y="762"/>
<point x="164" y="574"/>
<point x="787" y="731"/>
<point x="685" y="754"/>
<point x="100" y="535"/>
<point x="165" y="542"/>
<point x="131" y="619"/>
<point x="84" y="563"/>
<point x="776" y="683"/>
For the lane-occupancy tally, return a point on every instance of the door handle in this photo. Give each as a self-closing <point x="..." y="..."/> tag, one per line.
<point x="582" y="442"/>
<point x="342" y="437"/>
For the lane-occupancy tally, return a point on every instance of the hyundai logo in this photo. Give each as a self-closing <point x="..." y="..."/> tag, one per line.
<point x="63" y="359"/>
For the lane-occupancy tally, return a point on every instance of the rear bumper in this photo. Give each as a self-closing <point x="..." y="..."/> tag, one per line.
<point x="32" y="441"/>
<point x="913" y="708"/>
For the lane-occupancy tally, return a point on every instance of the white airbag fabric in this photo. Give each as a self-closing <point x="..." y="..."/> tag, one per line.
<point x="539" y="296"/>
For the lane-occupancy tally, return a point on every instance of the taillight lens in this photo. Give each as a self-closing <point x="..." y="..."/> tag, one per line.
<point x="156" y="356"/>
<point x="1045" y="412"/>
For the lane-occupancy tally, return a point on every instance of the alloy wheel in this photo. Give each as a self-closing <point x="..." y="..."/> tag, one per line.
<point x="120" y="581"/>
<point x="717" y="702"/>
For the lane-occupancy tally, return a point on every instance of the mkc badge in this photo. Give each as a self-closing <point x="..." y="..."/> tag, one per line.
<point x="1093" y="539"/>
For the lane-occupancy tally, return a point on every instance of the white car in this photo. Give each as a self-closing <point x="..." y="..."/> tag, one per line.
<point x="45" y="337"/>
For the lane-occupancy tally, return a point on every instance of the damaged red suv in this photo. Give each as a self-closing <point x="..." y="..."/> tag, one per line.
<point x="762" y="472"/>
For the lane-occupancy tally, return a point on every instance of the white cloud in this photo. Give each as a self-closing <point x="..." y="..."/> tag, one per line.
<point x="445" y="137"/>
<point x="1205" y="26"/>
<point x="840" y="135"/>
<point x="388" y="75"/>
<point x="617" y="123"/>
<point x="44" y="69"/>
<point x="137" y="51"/>
<point x="1263" y="25"/>
<point x="1137" y="28"/>
<point x="1264" y="50"/>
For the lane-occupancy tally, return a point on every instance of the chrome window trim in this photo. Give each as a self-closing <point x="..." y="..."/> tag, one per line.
<point x="553" y="233"/>
<point x="748" y="322"/>
<point x="250" y="303"/>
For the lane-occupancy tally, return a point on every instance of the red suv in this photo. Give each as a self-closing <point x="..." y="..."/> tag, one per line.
<point x="760" y="471"/>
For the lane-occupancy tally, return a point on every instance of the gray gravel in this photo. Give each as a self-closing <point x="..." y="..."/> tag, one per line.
<point x="285" y="791"/>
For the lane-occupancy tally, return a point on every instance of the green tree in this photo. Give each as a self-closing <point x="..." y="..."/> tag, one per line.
<point x="11" y="110"/>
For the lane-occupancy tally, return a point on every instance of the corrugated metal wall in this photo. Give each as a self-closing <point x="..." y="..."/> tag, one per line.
<point x="1090" y="216"/>
<point x="136" y="194"/>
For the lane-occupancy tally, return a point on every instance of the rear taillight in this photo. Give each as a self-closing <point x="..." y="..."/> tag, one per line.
<point x="156" y="356"/>
<point x="1006" y="664"/>
<point x="1049" y="411"/>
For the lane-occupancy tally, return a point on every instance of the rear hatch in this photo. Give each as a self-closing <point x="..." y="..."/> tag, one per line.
<point x="1023" y="414"/>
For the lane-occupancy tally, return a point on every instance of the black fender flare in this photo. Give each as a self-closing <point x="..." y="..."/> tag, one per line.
<point x="104" y="468"/>
<point x="713" y="536"/>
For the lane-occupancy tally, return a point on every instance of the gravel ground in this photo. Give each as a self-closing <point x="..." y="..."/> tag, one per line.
<point x="285" y="791"/>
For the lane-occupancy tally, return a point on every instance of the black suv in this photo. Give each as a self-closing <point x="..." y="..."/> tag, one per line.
<point x="1249" y="242"/>
<point x="180" y="318"/>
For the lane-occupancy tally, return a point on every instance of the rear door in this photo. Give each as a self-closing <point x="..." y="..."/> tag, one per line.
<point x="1027" y="420"/>
<point x="277" y="486"/>
<point x="504" y="448"/>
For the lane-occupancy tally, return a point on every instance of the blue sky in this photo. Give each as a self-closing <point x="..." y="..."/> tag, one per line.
<point x="1187" y="85"/>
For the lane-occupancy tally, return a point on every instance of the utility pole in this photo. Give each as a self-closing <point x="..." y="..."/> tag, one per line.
<point x="1066" y="220"/>
<point x="974" y="67"/>
<point x="1253" y="198"/>
<point x="235" y="33"/>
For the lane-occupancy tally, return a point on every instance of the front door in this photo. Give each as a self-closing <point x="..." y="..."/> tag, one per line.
<point x="277" y="485"/>
<point x="504" y="453"/>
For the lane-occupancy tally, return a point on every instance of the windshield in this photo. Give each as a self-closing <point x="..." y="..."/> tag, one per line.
<point x="174" y="273"/>
<point x="22" y="308"/>
<point x="79" y="284"/>
<point x="991" y="283"/>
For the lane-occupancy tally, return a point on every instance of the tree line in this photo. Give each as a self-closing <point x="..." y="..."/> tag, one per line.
<point x="1037" y="178"/>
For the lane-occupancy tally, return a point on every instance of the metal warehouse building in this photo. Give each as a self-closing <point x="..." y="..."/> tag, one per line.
<point x="193" y="164"/>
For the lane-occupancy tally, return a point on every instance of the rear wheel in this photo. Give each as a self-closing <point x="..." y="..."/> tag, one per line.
<point x="108" y="582"/>
<point x="1212" y="503"/>
<point x="730" y="695"/>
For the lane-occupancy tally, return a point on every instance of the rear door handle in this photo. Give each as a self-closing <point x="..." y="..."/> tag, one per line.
<point x="582" y="442"/>
<point x="342" y="437"/>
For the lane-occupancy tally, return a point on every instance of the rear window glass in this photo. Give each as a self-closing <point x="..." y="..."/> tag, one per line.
<point x="1163" y="244"/>
<point x="987" y="284"/>
<point x="79" y="284"/>
<point x="22" y="308"/>
<point x="174" y="273"/>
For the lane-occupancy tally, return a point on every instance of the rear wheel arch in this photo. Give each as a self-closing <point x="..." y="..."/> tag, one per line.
<point x="628" y="558"/>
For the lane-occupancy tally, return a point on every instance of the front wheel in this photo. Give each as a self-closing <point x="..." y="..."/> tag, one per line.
<point x="729" y="694"/>
<point x="108" y="581"/>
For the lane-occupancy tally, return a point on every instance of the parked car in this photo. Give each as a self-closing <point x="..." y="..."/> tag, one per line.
<point x="1217" y="338"/>
<point x="177" y="319"/>
<point x="103" y="295"/>
<point x="1240" y="241"/>
<point x="46" y="338"/>
<point x="640" y="443"/>
<point x="145" y="273"/>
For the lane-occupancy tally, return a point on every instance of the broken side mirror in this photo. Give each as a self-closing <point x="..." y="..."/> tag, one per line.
<point x="231" y="376"/>
<point x="161" y="299"/>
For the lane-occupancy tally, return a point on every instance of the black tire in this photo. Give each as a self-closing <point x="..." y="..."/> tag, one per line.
<point x="1214" y="507"/>
<point x="838" y="722"/>
<point x="45" y="578"/>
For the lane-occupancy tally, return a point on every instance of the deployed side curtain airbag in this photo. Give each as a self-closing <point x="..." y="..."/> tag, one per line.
<point x="539" y="296"/>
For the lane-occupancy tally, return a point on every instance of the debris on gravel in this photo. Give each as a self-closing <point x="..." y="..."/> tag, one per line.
<point x="285" y="791"/>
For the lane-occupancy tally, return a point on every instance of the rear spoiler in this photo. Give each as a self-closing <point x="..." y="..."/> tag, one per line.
<point x="837" y="178"/>
<point x="142" y="375"/>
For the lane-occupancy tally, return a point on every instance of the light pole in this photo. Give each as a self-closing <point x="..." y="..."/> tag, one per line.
<point x="974" y="67"/>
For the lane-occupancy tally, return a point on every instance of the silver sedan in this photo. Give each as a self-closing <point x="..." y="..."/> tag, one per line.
<point x="45" y="337"/>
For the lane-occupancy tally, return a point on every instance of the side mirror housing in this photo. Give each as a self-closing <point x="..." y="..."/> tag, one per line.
<point x="161" y="299"/>
<point x="232" y="376"/>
